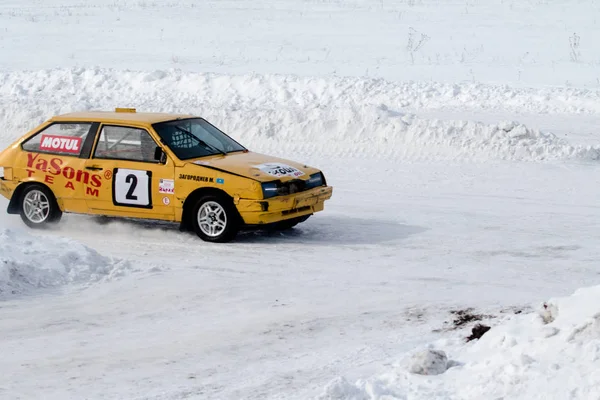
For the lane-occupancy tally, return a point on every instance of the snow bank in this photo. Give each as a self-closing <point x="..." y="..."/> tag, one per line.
<point x="550" y="354"/>
<point x="350" y="117"/>
<point x="30" y="262"/>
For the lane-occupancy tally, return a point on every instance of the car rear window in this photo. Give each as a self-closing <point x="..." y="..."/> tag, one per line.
<point x="59" y="138"/>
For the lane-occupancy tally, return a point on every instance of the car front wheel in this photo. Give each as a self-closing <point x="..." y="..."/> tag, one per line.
<point x="215" y="219"/>
<point x="39" y="207"/>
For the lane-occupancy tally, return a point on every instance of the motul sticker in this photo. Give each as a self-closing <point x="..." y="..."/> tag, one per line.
<point x="61" y="144"/>
<point x="278" y="169"/>
<point x="166" y="186"/>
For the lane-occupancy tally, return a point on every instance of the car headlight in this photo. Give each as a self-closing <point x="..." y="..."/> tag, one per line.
<point x="314" y="180"/>
<point x="270" y="189"/>
<point x="1" y="172"/>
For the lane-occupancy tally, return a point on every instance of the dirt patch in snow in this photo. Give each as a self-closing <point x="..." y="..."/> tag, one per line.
<point x="465" y="316"/>
<point x="477" y="332"/>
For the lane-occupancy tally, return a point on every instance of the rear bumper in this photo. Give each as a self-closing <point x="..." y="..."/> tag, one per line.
<point x="7" y="188"/>
<point x="260" y="212"/>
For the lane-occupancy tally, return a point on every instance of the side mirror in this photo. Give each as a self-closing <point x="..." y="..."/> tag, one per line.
<point x="159" y="155"/>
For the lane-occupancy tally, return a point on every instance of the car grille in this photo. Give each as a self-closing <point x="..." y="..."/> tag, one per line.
<point x="291" y="187"/>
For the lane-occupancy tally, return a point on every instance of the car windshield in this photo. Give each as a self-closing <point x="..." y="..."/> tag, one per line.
<point x="195" y="137"/>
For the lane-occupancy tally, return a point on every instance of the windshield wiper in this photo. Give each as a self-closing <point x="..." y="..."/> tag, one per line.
<point x="202" y="142"/>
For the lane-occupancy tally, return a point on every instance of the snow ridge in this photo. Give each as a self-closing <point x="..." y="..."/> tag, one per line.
<point x="28" y="263"/>
<point x="350" y="117"/>
<point x="176" y="89"/>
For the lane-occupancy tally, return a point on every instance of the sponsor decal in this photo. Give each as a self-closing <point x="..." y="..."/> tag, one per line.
<point x="61" y="144"/>
<point x="166" y="186"/>
<point x="54" y="167"/>
<point x="166" y="201"/>
<point x="196" y="178"/>
<point x="220" y="181"/>
<point x="108" y="175"/>
<point x="279" y="169"/>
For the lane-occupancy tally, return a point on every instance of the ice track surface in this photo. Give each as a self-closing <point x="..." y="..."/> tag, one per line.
<point x="280" y="315"/>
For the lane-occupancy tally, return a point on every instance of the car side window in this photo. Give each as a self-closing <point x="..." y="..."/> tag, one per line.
<point x="125" y="143"/>
<point x="59" y="138"/>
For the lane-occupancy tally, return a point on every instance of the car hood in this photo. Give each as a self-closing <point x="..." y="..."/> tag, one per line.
<point x="260" y="167"/>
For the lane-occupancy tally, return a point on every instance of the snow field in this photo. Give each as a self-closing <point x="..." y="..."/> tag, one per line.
<point x="451" y="132"/>
<point x="364" y="128"/>
<point x="548" y="354"/>
<point x="521" y="42"/>
<point x="358" y="130"/>
<point x="350" y="117"/>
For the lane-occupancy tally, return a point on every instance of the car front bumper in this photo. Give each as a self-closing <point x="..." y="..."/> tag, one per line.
<point x="280" y="208"/>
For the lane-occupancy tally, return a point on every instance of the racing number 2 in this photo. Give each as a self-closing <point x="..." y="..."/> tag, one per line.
<point x="132" y="188"/>
<point x="133" y="180"/>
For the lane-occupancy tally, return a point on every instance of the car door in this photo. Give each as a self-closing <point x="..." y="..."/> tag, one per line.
<point x="141" y="186"/>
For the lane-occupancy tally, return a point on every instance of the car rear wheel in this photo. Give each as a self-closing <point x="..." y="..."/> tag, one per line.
<point x="215" y="219"/>
<point x="38" y="206"/>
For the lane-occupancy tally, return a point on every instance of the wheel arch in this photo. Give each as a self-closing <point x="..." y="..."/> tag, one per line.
<point x="191" y="199"/>
<point x="14" y="205"/>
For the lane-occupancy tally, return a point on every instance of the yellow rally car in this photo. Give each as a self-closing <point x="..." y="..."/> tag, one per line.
<point x="157" y="166"/>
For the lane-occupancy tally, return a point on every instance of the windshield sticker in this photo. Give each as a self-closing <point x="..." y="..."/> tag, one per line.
<point x="63" y="144"/>
<point x="278" y="169"/>
<point x="166" y="186"/>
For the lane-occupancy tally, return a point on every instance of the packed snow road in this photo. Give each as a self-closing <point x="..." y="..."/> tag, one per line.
<point x="279" y="315"/>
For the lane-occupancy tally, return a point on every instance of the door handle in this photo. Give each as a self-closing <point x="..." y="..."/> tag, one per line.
<point x="94" y="168"/>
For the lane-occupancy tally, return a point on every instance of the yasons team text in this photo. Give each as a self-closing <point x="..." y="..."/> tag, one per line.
<point x="54" y="167"/>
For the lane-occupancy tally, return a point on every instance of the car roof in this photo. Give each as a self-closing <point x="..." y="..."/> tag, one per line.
<point x="120" y="117"/>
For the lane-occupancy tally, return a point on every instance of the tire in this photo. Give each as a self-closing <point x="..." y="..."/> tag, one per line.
<point x="38" y="207"/>
<point x="215" y="219"/>
<point x="288" y="223"/>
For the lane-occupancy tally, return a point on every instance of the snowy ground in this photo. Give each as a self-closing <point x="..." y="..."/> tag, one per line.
<point x="521" y="42"/>
<point x="551" y="353"/>
<point x="441" y="202"/>
<point x="279" y="317"/>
